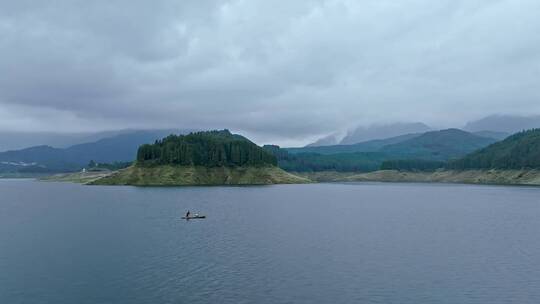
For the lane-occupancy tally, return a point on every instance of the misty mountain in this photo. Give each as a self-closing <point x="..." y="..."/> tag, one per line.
<point x="438" y="145"/>
<point x="362" y="134"/>
<point x="325" y="141"/>
<point x="14" y="140"/>
<point x="504" y="123"/>
<point x="119" y="148"/>
<point x="367" y="146"/>
<point x="492" y="134"/>
<point x="428" y="150"/>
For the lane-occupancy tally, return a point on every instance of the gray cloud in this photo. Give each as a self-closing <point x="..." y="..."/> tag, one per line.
<point x="285" y="71"/>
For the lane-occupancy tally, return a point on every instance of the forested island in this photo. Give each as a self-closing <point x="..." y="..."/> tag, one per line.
<point x="202" y="158"/>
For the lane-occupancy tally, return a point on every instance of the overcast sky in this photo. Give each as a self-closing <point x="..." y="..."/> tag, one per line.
<point x="277" y="71"/>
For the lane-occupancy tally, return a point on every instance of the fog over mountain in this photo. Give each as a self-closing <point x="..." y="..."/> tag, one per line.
<point x="504" y="123"/>
<point x="286" y="72"/>
<point x="361" y="134"/>
<point x="328" y="140"/>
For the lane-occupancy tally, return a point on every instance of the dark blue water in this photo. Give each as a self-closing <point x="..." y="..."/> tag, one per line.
<point x="322" y="243"/>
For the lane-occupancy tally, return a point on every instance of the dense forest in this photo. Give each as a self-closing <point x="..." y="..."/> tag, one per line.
<point x="412" y="165"/>
<point x="313" y="162"/>
<point x="211" y="149"/>
<point x="521" y="150"/>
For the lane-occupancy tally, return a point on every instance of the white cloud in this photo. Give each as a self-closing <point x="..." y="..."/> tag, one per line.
<point x="282" y="71"/>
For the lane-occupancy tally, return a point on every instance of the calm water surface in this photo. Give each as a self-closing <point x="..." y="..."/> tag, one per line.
<point x="322" y="243"/>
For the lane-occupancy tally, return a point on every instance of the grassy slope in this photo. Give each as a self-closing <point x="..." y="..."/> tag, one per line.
<point x="77" y="177"/>
<point x="183" y="175"/>
<point x="506" y="177"/>
<point x="326" y="176"/>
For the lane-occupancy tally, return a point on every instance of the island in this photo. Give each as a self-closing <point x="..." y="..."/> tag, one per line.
<point x="201" y="158"/>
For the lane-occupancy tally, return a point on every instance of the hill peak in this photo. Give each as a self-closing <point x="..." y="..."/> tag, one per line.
<point x="207" y="148"/>
<point x="521" y="150"/>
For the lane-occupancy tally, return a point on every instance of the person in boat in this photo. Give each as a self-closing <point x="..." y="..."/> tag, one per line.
<point x="187" y="214"/>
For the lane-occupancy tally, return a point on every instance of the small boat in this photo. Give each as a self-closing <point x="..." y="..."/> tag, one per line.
<point x="194" y="217"/>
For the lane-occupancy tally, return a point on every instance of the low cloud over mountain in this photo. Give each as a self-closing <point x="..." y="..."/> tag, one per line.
<point x="278" y="72"/>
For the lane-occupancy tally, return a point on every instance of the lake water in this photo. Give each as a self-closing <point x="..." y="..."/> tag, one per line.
<point x="321" y="243"/>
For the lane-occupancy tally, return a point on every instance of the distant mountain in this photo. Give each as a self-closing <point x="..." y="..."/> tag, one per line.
<point x="367" y="146"/>
<point x="504" y="123"/>
<point x="492" y="134"/>
<point x="35" y="159"/>
<point x="325" y="141"/>
<point x="521" y="150"/>
<point x="14" y="140"/>
<point x="119" y="148"/>
<point x="362" y="134"/>
<point x="438" y="145"/>
<point x="424" y="151"/>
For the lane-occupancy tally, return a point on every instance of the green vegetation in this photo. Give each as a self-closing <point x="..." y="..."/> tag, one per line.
<point x="77" y="177"/>
<point x="94" y="166"/>
<point x="521" y="150"/>
<point x="210" y="149"/>
<point x="313" y="162"/>
<point x="172" y="175"/>
<point x="513" y="161"/>
<point x="343" y="162"/>
<point x="202" y="158"/>
<point x="494" y="176"/>
<point x="426" y="152"/>
<point x="438" y="145"/>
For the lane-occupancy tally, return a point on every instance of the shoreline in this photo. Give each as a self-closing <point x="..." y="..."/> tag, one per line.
<point x="167" y="175"/>
<point x="524" y="177"/>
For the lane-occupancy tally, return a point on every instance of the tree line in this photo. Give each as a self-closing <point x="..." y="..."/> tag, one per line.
<point x="209" y="148"/>
<point x="518" y="151"/>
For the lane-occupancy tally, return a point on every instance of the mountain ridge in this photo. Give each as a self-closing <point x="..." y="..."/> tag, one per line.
<point x="119" y="148"/>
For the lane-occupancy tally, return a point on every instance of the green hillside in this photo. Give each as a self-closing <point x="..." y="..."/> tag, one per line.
<point x="438" y="145"/>
<point x="521" y="150"/>
<point x="367" y="146"/>
<point x="428" y="151"/>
